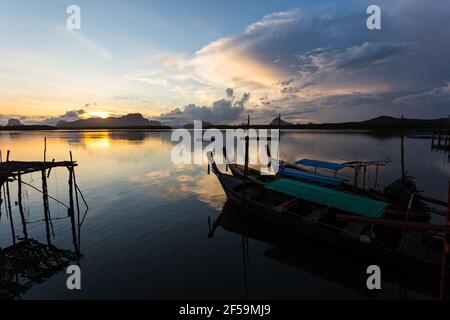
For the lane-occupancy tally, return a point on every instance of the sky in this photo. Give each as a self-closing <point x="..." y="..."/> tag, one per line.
<point x="218" y="61"/>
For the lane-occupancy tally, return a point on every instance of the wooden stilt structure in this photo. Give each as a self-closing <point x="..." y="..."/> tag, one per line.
<point x="27" y="261"/>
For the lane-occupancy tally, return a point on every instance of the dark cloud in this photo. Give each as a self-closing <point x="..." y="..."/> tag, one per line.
<point x="334" y="61"/>
<point x="222" y="111"/>
<point x="70" y="115"/>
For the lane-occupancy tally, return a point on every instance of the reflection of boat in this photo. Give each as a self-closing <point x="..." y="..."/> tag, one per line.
<point x="322" y="261"/>
<point x="344" y="220"/>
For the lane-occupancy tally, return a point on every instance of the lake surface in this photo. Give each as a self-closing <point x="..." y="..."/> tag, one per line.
<point x="148" y="232"/>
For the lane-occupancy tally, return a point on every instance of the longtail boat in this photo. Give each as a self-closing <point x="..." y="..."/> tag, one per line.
<point x="405" y="201"/>
<point x="342" y="219"/>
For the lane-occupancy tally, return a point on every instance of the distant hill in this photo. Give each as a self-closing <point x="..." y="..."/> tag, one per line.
<point x="14" y="123"/>
<point x="129" y="120"/>
<point x="382" y="123"/>
<point x="280" y="122"/>
<point x="385" y="123"/>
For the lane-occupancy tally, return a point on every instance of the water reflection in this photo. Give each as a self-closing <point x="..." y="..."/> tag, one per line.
<point x="324" y="262"/>
<point x="26" y="261"/>
<point x="145" y="232"/>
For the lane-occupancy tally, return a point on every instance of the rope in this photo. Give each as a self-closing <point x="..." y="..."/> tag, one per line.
<point x="42" y="220"/>
<point x="27" y="184"/>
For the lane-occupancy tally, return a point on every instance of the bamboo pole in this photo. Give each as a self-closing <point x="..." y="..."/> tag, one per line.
<point x="22" y="215"/>
<point x="394" y="223"/>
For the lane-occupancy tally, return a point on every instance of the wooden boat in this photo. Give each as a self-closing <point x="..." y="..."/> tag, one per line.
<point x="404" y="203"/>
<point x="336" y="218"/>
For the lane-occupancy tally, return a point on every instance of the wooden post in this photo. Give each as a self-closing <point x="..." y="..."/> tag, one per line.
<point x="246" y="157"/>
<point x="22" y="215"/>
<point x="8" y="199"/>
<point x="45" y="148"/>
<point x="364" y="180"/>
<point x="77" y="202"/>
<point x="1" y="201"/>
<point x="376" y="176"/>
<point x="356" y="178"/>
<point x="445" y="256"/>
<point x="71" y="209"/>
<point x="403" y="153"/>
<point x="46" y="206"/>
<point x="439" y="139"/>
<point x="7" y="156"/>
<point x="432" y="138"/>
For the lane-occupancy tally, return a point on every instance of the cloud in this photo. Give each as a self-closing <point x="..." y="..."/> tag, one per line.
<point x="221" y="111"/>
<point x="304" y="63"/>
<point x="70" y="115"/>
<point x="89" y="43"/>
<point x="319" y="65"/>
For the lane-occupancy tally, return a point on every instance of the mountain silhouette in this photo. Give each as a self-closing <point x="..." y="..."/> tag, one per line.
<point x="129" y="120"/>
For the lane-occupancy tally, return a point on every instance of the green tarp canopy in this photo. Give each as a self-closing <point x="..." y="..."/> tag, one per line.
<point x="328" y="197"/>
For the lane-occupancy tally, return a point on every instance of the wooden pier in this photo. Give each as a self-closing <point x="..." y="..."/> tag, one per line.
<point x="28" y="261"/>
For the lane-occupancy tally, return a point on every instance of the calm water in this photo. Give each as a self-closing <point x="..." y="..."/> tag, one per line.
<point x="148" y="233"/>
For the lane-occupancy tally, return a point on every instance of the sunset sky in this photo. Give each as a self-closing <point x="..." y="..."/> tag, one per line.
<point x="180" y="60"/>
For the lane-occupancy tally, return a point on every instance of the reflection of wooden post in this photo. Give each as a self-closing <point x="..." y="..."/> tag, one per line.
<point x="22" y="215"/>
<point x="445" y="256"/>
<point x="46" y="206"/>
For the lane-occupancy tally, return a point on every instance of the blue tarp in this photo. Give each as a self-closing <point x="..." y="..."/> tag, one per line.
<point x="320" y="164"/>
<point x="311" y="176"/>
<point x="344" y="201"/>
